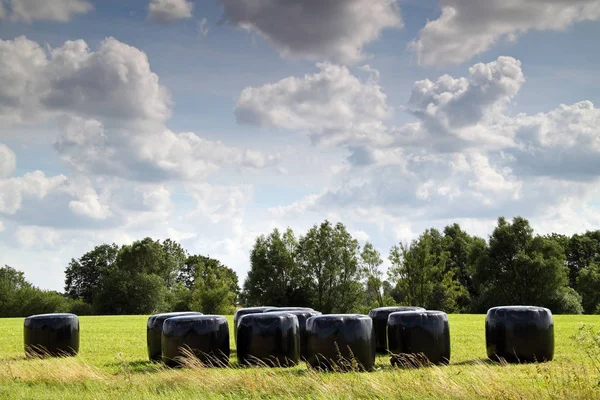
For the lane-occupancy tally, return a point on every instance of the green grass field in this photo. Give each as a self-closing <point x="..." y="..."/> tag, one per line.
<point x="113" y="363"/>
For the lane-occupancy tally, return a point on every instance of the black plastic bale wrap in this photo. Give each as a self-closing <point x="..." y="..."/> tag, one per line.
<point x="341" y="342"/>
<point x="380" y="318"/>
<point x="245" y="311"/>
<point x="154" y="332"/>
<point x="519" y="334"/>
<point x="271" y="339"/>
<point x="302" y="314"/>
<point x="205" y="337"/>
<point x="51" y="335"/>
<point x="280" y="309"/>
<point x="418" y="338"/>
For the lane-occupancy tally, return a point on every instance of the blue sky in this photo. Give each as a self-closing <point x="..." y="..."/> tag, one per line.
<point x="214" y="121"/>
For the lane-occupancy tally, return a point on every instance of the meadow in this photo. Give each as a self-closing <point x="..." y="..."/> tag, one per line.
<point x="113" y="363"/>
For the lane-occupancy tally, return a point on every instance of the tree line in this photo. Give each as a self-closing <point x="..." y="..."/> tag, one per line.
<point x="144" y="277"/>
<point x="449" y="270"/>
<point x="327" y="269"/>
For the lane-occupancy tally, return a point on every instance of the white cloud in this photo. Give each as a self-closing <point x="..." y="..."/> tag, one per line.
<point x="1" y="226"/>
<point x="32" y="184"/>
<point x="44" y="10"/>
<point x="467" y="28"/>
<point x="465" y="159"/>
<point x="455" y="103"/>
<point x="220" y="202"/>
<point x="180" y="236"/>
<point x="315" y="29"/>
<point x="153" y="154"/>
<point x="564" y="142"/>
<point x="115" y="109"/>
<point x="22" y="64"/>
<point x="90" y="206"/>
<point x="36" y="236"/>
<point x="333" y="106"/>
<point x="359" y="235"/>
<point x="8" y="161"/>
<point x="166" y="11"/>
<point x="115" y="82"/>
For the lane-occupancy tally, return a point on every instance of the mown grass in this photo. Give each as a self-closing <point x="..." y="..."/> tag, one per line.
<point x="113" y="363"/>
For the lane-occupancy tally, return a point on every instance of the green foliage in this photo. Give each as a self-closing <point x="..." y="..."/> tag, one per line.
<point x="520" y="268"/>
<point x="581" y="252"/>
<point x="566" y="301"/>
<point x="148" y="276"/>
<point x="18" y="298"/>
<point x="588" y="285"/>
<point x="275" y="277"/>
<point x="80" y="307"/>
<point x="215" y="286"/>
<point x="328" y="255"/>
<point x="82" y="276"/>
<point x="371" y="262"/>
<point x="327" y="270"/>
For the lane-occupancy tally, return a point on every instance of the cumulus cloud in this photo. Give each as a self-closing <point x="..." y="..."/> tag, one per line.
<point x="115" y="108"/>
<point x="456" y="113"/>
<point x="90" y="206"/>
<point x="31" y="185"/>
<point x="455" y="103"/>
<point x="8" y="161"/>
<point x="167" y="11"/>
<point x="564" y="142"/>
<point x="114" y="82"/>
<point x="333" y="106"/>
<point x="37" y="236"/>
<point x="43" y="10"/>
<point x="150" y="153"/>
<point x="315" y="29"/>
<point x="467" y="28"/>
<point x="22" y="65"/>
<point x="464" y="158"/>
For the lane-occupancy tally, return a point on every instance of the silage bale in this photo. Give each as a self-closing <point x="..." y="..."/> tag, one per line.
<point x="205" y="337"/>
<point x="154" y="331"/>
<point x="51" y="335"/>
<point x="380" y="318"/>
<point x="418" y="338"/>
<point x="341" y="342"/>
<point x="268" y="339"/>
<point x="245" y="311"/>
<point x="519" y="334"/>
<point x="302" y="314"/>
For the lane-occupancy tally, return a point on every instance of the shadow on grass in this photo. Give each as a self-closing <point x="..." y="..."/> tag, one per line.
<point x="137" y="366"/>
<point x="477" y="361"/>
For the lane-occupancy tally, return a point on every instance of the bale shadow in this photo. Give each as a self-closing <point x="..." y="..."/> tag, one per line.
<point x="138" y="366"/>
<point x="477" y="361"/>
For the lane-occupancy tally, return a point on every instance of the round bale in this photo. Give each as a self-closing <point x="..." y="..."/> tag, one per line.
<point x="302" y="314"/>
<point x="380" y="318"/>
<point x="154" y="332"/>
<point x="341" y="342"/>
<point x="519" y="334"/>
<point x="245" y="311"/>
<point x="271" y="339"/>
<point x="205" y="337"/>
<point x="288" y="309"/>
<point x="418" y="338"/>
<point x="51" y="335"/>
